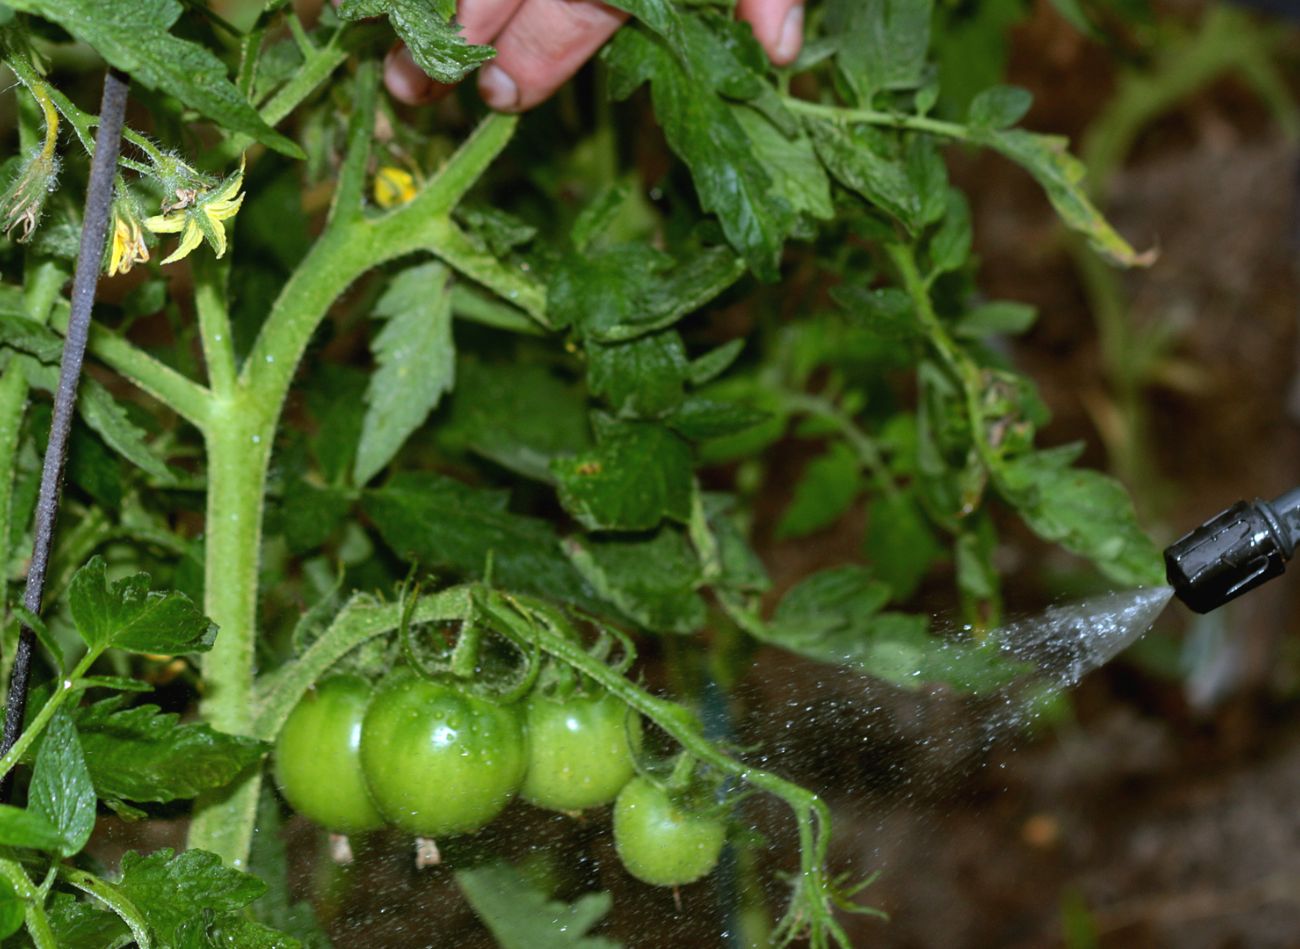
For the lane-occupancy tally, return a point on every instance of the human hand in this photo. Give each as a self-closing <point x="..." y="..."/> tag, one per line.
<point x="541" y="43"/>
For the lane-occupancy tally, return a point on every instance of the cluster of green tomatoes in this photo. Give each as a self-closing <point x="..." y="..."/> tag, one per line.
<point x="436" y="759"/>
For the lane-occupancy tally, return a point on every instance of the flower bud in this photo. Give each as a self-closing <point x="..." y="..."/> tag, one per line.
<point x="24" y="199"/>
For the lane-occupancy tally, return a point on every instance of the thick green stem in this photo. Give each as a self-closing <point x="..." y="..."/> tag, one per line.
<point x="239" y="449"/>
<point x="214" y="324"/>
<point x="240" y="430"/>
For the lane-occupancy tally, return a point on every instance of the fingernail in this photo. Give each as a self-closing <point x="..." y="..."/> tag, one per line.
<point x="498" y="89"/>
<point x="791" y="39"/>
<point x="406" y="80"/>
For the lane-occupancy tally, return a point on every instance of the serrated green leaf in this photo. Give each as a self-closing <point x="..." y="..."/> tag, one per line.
<point x="834" y="616"/>
<point x="108" y="419"/>
<point x="638" y="474"/>
<point x="858" y="159"/>
<point x="880" y="44"/>
<point x="640" y="378"/>
<point x="103" y="414"/>
<point x="886" y="312"/>
<point x="174" y="892"/>
<point x="650" y="579"/>
<point x="1060" y="174"/>
<point x="1084" y="511"/>
<point x="144" y="754"/>
<point x="61" y="791"/>
<point x="134" y="38"/>
<point x="82" y="924"/>
<point x="791" y="162"/>
<point x="900" y="542"/>
<point x="519" y="416"/>
<point x="701" y="128"/>
<point x="999" y="107"/>
<point x="427" y="29"/>
<point x="126" y="615"/>
<point x="447" y="525"/>
<point x="521" y="916"/>
<point x="829" y="486"/>
<point x="416" y="364"/>
<point x="624" y="291"/>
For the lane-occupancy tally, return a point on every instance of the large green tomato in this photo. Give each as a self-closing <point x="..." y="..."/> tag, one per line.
<point x="660" y="842"/>
<point x="317" y="763"/>
<point x="580" y="750"/>
<point x="438" y="760"/>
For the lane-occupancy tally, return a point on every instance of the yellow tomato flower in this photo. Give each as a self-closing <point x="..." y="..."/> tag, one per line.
<point x="201" y="217"/>
<point x="393" y="186"/>
<point x="128" y="247"/>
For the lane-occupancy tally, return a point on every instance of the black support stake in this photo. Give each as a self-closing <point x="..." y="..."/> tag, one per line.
<point x="90" y="256"/>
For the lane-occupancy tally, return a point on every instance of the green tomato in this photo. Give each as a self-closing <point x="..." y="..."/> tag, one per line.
<point x="581" y="750"/>
<point x="439" y="760"/>
<point x="659" y="841"/>
<point x="317" y="765"/>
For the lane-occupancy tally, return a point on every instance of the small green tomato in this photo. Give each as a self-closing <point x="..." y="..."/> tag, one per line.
<point x="317" y="761"/>
<point x="659" y="841"/>
<point x="439" y="760"/>
<point x="581" y="750"/>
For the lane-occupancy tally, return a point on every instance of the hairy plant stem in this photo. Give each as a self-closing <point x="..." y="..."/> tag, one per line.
<point x="94" y="232"/>
<point x="241" y="423"/>
<point x="38" y="924"/>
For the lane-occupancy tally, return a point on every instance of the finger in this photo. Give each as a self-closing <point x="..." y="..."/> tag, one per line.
<point x="778" y="25"/>
<point x="543" y="45"/>
<point x="480" y="21"/>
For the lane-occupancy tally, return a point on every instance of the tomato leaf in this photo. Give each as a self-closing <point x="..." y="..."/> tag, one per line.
<point x="652" y="580"/>
<point x="702" y="129"/>
<point x="416" y="364"/>
<point x="126" y="615"/>
<point x="519" y="416"/>
<point x="82" y="924"/>
<point x="24" y="827"/>
<point x="999" y="107"/>
<point x="641" y="378"/>
<point x="521" y="916"/>
<point x="61" y="791"/>
<point x="1084" y="511"/>
<point x="880" y="44"/>
<point x="638" y="474"/>
<point x="900" y="542"/>
<point x="427" y="28"/>
<point x="1060" y="174"/>
<point x="829" y="486"/>
<point x="183" y="897"/>
<point x="144" y="754"/>
<point x="447" y="525"/>
<point x="134" y="38"/>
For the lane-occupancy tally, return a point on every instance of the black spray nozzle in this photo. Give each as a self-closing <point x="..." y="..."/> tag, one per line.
<point x="1234" y="551"/>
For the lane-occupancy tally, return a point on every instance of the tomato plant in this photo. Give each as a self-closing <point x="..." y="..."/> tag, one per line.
<point x="480" y="393"/>
<point x="318" y="756"/>
<point x="662" y="841"/>
<point x="581" y="750"/>
<point x="438" y="760"/>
